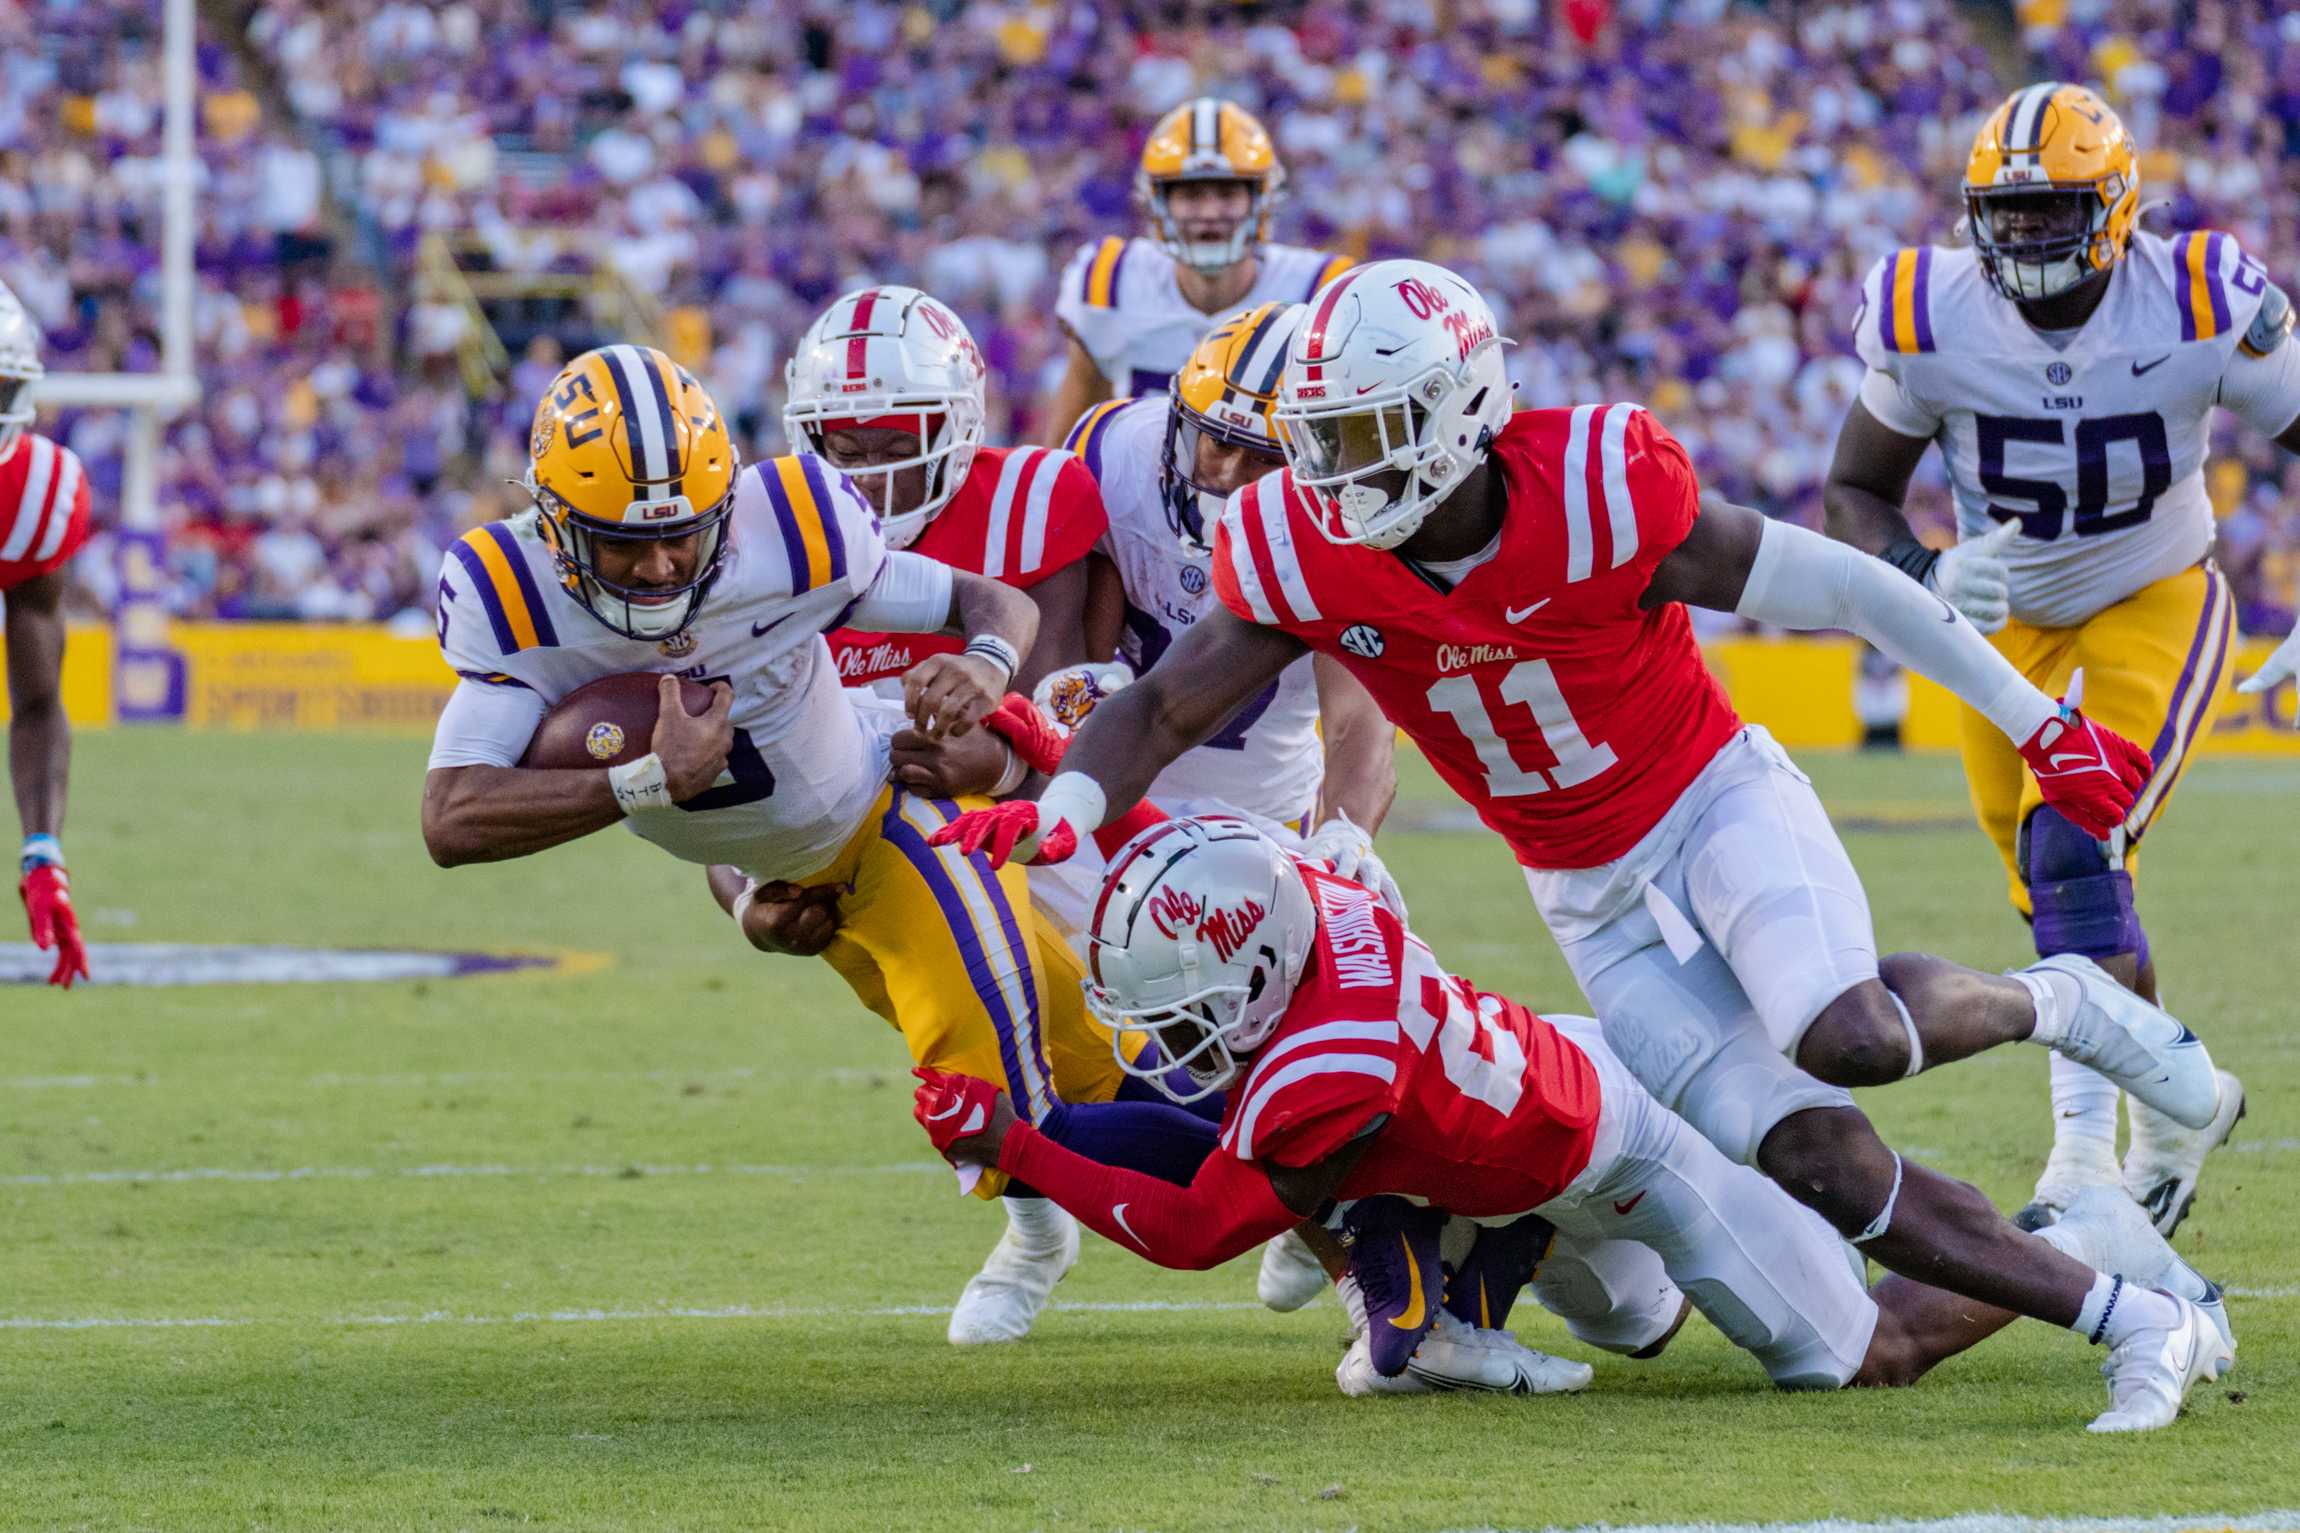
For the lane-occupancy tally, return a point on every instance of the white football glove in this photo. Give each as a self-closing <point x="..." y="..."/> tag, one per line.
<point x="2281" y="666"/>
<point x="1068" y="695"/>
<point x="1972" y="578"/>
<point x="1346" y="848"/>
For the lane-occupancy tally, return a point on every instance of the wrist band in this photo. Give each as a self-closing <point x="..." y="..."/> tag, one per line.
<point x="745" y="900"/>
<point x="640" y="784"/>
<point x="997" y="651"/>
<point x="1911" y="558"/>
<point x="41" y="851"/>
<point x="1010" y="779"/>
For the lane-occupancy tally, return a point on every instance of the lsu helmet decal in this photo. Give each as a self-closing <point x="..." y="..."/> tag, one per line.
<point x="1225" y="391"/>
<point x="1209" y="139"/>
<point x="2052" y="189"/>
<point x="627" y="448"/>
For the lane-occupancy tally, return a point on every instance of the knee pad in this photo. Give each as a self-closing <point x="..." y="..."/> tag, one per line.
<point x="2082" y="901"/>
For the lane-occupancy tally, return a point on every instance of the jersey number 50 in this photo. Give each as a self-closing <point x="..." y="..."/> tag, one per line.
<point x="2094" y="437"/>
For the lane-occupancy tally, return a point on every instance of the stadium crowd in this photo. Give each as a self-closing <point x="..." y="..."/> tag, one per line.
<point x="1669" y="202"/>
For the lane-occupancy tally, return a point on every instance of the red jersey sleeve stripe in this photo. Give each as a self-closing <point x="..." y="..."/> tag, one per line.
<point x="1284" y="561"/>
<point x="1244" y="525"/>
<point x="994" y="542"/>
<point x="1620" y="510"/>
<point x="1308" y="1067"/>
<point x="62" y="504"/>
<point x="1580" y="541"/>
<point x="1308" y="1037"/>
<point x="1030" y="535"/>
<point x="32" y="502"/>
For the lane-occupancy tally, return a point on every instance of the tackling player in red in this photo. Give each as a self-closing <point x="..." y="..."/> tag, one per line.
<point x="43" y="522"/>
<point x="1511" y="588"/>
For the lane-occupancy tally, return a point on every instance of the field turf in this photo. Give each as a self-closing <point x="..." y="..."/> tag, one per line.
<point x="656" y="1245"/>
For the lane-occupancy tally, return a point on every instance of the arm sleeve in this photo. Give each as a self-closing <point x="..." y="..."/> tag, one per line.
<point x="1226" y="1211"/>
<point x="1888" y="399"/>
<point x="487" y="722"/>
<point x="1803" y="580"/>
<point x="910" y="595"/>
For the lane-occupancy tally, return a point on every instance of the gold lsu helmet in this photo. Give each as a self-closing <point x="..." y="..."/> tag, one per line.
<point x="1209" y="139"/>
<point x="2052" y="189"/>
<point x="628" y="448"/>
<point x="1224" y="392"/>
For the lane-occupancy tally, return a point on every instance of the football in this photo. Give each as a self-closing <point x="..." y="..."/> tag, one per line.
<point x="606" y="723"/>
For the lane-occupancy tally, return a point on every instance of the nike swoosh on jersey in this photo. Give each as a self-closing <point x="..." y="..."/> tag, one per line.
<point x="1415" y="1311"/>
<point x="1118" y="1213"/>
<point x="1623" y="1208"/>
<point x="758" y="629"/>
<point x="1520" y="614"/>
<point x="2141" y="367"/>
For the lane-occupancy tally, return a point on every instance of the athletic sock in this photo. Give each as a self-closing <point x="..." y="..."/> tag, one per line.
<point x="2114" y="1309"/>
<point x="2083" y="1113"/>
<point x="2055" y="997"/>
<point x="1036" y="1222"/>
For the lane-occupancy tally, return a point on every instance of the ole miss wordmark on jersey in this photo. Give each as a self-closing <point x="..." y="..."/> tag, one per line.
<point x="1483" y="1109"/>
<point x="1567" y="715"/>
<point x="1024" y="513"/>
<point x="43" y="509"/>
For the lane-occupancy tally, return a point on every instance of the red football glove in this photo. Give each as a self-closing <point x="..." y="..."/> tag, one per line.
<point x="996" y="832"/>
<point x="953" y="1107"/>
<point x="1037" y="739"/>
<point x="2088" y="772"/>
<point x="48" y="900"/>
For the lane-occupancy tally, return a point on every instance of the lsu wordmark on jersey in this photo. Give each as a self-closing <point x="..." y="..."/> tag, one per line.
<point x="939" y="945"/>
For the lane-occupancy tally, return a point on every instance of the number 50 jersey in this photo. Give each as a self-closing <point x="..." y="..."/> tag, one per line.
<point x="802" y="549"/>
<point x="2095" y="445"/>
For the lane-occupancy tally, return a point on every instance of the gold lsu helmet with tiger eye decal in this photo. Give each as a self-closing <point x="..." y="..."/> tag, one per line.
<point x="2052" y="190"/>
<point x="1223" y="392"/>
<point x="1209" y="139"/>
<point x="628" y="448"/>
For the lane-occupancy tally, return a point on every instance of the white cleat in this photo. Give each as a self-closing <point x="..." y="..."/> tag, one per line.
<point x="2108" y="1232"/>
<point x="2068" y="1172"/>
<point x="1357" y="1378"/>
<point x="2166" y="1161"/>
<point x="2149" y="1373"/>
<point x="1002" y="1301"/>
<point x="1456" y="1355"/>
<point x="1291" y="1274"/>
<point x="2141" y="1047"/>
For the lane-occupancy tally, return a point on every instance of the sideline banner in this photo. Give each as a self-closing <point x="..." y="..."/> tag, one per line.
<point x="364" y="676"/>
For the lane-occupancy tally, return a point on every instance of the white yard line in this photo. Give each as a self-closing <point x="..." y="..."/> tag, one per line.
<point x="602" y="1316"/>
<point x="447" y="1079"/>
<point x="2275" y="1521"/>
<point x="627" y="1171"/>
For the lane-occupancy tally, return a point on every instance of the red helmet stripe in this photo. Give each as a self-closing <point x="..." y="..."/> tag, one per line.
<point x="857" y="344"/>
<point x="1314" y="340"/>
<point x="1110" y="874"/>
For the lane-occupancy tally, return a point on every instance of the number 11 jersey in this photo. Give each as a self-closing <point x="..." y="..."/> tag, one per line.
<point x="2093" y="440"/>
<point x="1567" y="715"/>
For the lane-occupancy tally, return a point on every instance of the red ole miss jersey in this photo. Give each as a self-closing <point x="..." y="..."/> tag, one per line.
<point x="43" y="509"/>
<point x="1023" y="514"/>
<point x="1483" y="1108"/>
<point x="1568" y="716"/>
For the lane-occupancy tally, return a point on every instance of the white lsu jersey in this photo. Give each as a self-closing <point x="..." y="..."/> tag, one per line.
<point x="2094" y="441"/>
<point x="1121" y="299"/>
<point x="802" y="548"/>
<point x="1268" y="762"/>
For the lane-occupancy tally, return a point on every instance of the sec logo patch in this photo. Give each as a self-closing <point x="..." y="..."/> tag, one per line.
<point x="2058" y="373"/>
<point x="605" y="741"/>
<point x="1193" y="580"/>
<point x="1363" y="640"/>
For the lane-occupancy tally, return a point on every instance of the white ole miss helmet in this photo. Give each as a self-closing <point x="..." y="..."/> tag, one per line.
<point x="1393" y="391"/>
<point x="19" y="369"/>
<point x="1199" y="938"/>
<point x="891" y="357"/>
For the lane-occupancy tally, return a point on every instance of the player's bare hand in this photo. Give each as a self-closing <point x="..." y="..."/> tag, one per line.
<point x="948" y="768"/>
<point x="692" y="747"/>
<point x="786" y="918"/>
<point x="947" y="695"/>
<point x="966" y="1118"/>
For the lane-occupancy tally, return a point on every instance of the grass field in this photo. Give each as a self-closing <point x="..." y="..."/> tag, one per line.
<point x="657" y="1246"/>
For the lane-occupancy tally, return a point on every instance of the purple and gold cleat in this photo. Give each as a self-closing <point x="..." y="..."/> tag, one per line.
<point x="1393" y="1246"/>
<point x="1499" y="1263"/>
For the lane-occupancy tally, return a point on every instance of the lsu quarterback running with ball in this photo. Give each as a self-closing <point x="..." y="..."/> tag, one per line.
<point x="2068" y="364"/>
<point x="1511" y="586"/>
<point x="1131" y="309"/>
<point x="651" y="548"/>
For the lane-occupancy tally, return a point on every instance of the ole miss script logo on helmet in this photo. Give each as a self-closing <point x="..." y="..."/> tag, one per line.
<point x="1427" y="302"/>
<point x="1174" y="912"/>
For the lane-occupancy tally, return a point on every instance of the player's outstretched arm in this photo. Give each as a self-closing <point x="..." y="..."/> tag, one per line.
<point x="490" y="813"/>
<point x="39" y="764"/>
<point x="1868" y="482"/>
<point x="948" y="694"/>
<point x="2283" y="663"/>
